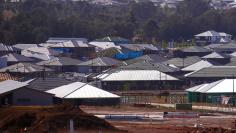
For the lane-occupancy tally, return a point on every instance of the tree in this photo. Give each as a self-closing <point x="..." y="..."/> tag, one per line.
<point x="150" y="30"/>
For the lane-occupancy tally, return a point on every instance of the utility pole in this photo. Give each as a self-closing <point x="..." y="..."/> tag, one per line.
<point x="233" y="93"/>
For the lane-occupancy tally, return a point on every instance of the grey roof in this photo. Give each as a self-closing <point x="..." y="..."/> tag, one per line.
<point x="60" y="61"/>
<point x="44" y="84"/>
<point x="9" y="85"/>
<point x="112" y="39"/>
<point x="24" y="68"/>
<point x="199" y="65"/>
<point x="183" y="62"/>
<point x="213" y="46"/>
<point x="64" y="39"/>
<point x="5" y="47"/>
<point x="208" y="33"/>
<point x="138" y="47"/>
<point x="101" y="61"/>
<point x="214" y="71"/>
<point x="229" y="46"/>
<point x="110" y="52"/>
<point x="149" y="57"/>
<point x="13" y="57"/>
<point x="23" y="46"/>
<point x="136" y="75"/>
<point x="148" y="65"/>
<point x="216" y="55"/>
<point x="232" y="62"/>
<point x="195" y="49"/>
<point x="221" y="86"/>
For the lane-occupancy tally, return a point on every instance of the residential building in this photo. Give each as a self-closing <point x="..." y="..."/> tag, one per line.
<point x="27" y="70"/>
<point x="218" y="92"/>
<point x="79" y="93"/>
<point x="210" y="74"/>
<point x="98" y="65"/>
<point x="138" y="80"/>
<point x="4" y="49"/>
<point x="210" y="37"/>
<point x="182" y="62"/>
<point x="13" y="58"/>
<point x="192" y="51"/>
<point x="61" y="64"/>
<point x="18" y="94"/>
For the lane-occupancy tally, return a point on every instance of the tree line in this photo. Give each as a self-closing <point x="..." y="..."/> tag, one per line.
<point x="34" y="21"/>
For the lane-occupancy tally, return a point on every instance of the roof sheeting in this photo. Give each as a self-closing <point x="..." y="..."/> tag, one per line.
<point x="148" y="65"/>
<point x="149" y="57"/>
<point x="139" y="47"/>
<point x="215" y="55"/>
<point x="24" y="46"/>
<point x="104" y="45"/>
<point x="136" y="75"/>
<point x="197" y="66"/>
<point x="61" y="39"/>
<point x="5" y="47"/>
<point x="60" y="61"/>
<point x="65" y="44"/>
<point x="214" y="71"/>
<point x="47" y="83"/>
<point x="13" y="57"/>
<point x="183" y="62"/>
<point x="81" y="91"/>
<point x="24" y="68"/>
<point x="208" y="33"/>
<point x="195" y="49"/>
<point x="221" y="86"/>
<point x="101" y="61"/>
<point x="9" y="85"/>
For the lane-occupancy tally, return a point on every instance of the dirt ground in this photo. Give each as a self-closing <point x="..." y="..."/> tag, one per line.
<point x="211" y="123"/>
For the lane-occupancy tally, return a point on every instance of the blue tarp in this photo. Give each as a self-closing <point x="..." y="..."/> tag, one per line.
<point x="63" y="50"/>
<point x="129" y="55"/>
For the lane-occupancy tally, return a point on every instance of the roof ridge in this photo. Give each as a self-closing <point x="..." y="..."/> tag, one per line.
<point x="215" y="84"/>
<point x="75" y="89"/>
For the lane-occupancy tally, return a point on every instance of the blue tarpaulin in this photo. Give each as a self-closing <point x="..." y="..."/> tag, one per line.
<point x="129" y="55"/>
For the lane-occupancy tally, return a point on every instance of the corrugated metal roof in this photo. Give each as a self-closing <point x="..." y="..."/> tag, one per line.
<point x="139" y="47"/>
<point x="232" y="61"/>
<point x="9" y="85"/>
<point x="135" y="75"/>
<point x="215" y="55"/>
<point x="193" y="89"/>
<point x="221" y="86"/>
<point x="208" y="33"/>
<point x="63" y="39"/>
<point x="47" y="83"/>
<point x="24" y="68"/>
<point x="89" y="91"/>
<point x="24" y="46"/>
<point x="60" y="61"/>
<point x="149" y="57"/>
<point x="197" y="66"/>
<point x="196" y="49"/>
<point x="13" y="57"/>
<point x="149" y="65"/>
<point x="214" y="71"/>
<point x="80" y="90"/>
<point x="5" y="47"/>
<point x="183" y="62"/>
<point x="101" y="61"/>
<point x="104" y="45"/>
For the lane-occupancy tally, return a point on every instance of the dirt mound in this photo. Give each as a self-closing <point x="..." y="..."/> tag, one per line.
<point x="212" y="130"/>
<point x="48" y="119"/>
